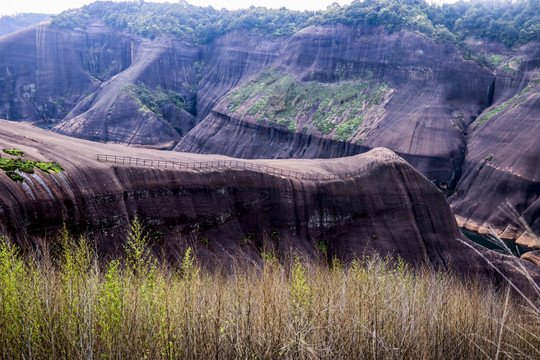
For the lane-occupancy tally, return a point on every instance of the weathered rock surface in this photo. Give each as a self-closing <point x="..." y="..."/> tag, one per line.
<point x="90" y="80"/>
<point x="41" y="75"/>
<point x="503" y="153"/>
<point x="422" y="115"/>
<point x="117" y="114"/>
<point x="231" y="214"/>
<point x="229" y="61"/>
<point x="462" y="125"/>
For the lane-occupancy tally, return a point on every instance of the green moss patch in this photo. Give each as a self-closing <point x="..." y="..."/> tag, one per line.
<point x="14" y="152"/>
<point x="10" y="166"/>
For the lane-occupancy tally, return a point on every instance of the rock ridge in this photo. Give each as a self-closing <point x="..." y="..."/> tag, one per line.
<point x="230" y="214"/>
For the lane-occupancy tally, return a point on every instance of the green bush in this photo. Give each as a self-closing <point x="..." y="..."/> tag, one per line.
<point x="26" y="166"/>
<point x="15" y="177"/>
<point x="14" y="152"/>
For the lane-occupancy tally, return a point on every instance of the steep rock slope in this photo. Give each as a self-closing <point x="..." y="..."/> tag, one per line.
<point x="503" y="153"/>
<point x="41" y="74"/>
<point x="229" y="61"/>
<point x="236" y="214"/>
<point x="357" y="85"/>
<point x="123" y="110"/>
<point x="104" y="85"/>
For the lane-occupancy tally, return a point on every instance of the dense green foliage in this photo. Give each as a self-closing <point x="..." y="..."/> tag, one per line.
<point x="199" y="24"/>
<point x="492" y="19"/>
<point x="333" y="108"/>
<point x="152" y="102"/>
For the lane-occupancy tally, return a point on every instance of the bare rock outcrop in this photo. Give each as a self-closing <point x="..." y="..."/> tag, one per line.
<point x="99" y="84"/>
<point x="503" y="153"/>
<point x="232" y="214"/>
<point x="423" y="96"/>
<point x="336" y="91"/>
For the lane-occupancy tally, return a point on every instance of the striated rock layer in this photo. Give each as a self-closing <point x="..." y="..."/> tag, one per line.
<point x="431" y="94"/>
<point x="236" y="214"/>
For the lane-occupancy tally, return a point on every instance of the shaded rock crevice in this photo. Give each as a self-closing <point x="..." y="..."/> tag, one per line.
<point x="491" y="93"/>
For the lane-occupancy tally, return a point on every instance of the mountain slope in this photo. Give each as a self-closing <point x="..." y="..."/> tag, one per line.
<point x="354" y="84"/>
<point x="503" y="153"/>
<point x="10" y="24"/>
<point x="232" y="214"/>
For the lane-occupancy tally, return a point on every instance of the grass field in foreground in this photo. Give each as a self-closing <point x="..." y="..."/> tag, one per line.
<point x="68" y="307"/>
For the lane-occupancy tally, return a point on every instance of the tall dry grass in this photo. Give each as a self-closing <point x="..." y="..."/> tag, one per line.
<point x="68" y="307"/>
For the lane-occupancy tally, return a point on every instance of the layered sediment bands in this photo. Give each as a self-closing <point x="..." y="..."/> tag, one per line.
<point x="41" y="74"/>
<point x="449" y="117"/>
<point x="234" y="215"/>
<point x="120" y="111"/>
<point x="503" y="154"/>
<point x="259" y="140"/>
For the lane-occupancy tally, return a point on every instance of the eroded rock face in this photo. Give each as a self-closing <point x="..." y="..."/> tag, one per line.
<point x="128" y="108"/>
<point x="101" y="85"/>
<point x="503" y="153"/>
<point x="229" y="61"/>
<point x="41" y="75"/>
<point x="429" y="94"/>
<point x="235" y="214"/>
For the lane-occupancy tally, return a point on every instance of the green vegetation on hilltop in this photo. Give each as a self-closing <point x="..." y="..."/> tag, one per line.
<point x="12" y="167"/>
<point x="283" y="100"/>
<point x="72" y="305"/>
<point x="194" y="23"/>
<point x="508" y="22"/>
<point x="26" y="19"/>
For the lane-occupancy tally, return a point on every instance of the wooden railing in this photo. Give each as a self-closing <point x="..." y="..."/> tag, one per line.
<point x="223" y="164"/>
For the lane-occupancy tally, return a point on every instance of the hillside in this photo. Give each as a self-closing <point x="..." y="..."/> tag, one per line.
<point x="237" y="214"/>
<point x="441" y="90"/>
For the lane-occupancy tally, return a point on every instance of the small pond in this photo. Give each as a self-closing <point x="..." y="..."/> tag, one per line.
<point x="493" y="244"/>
